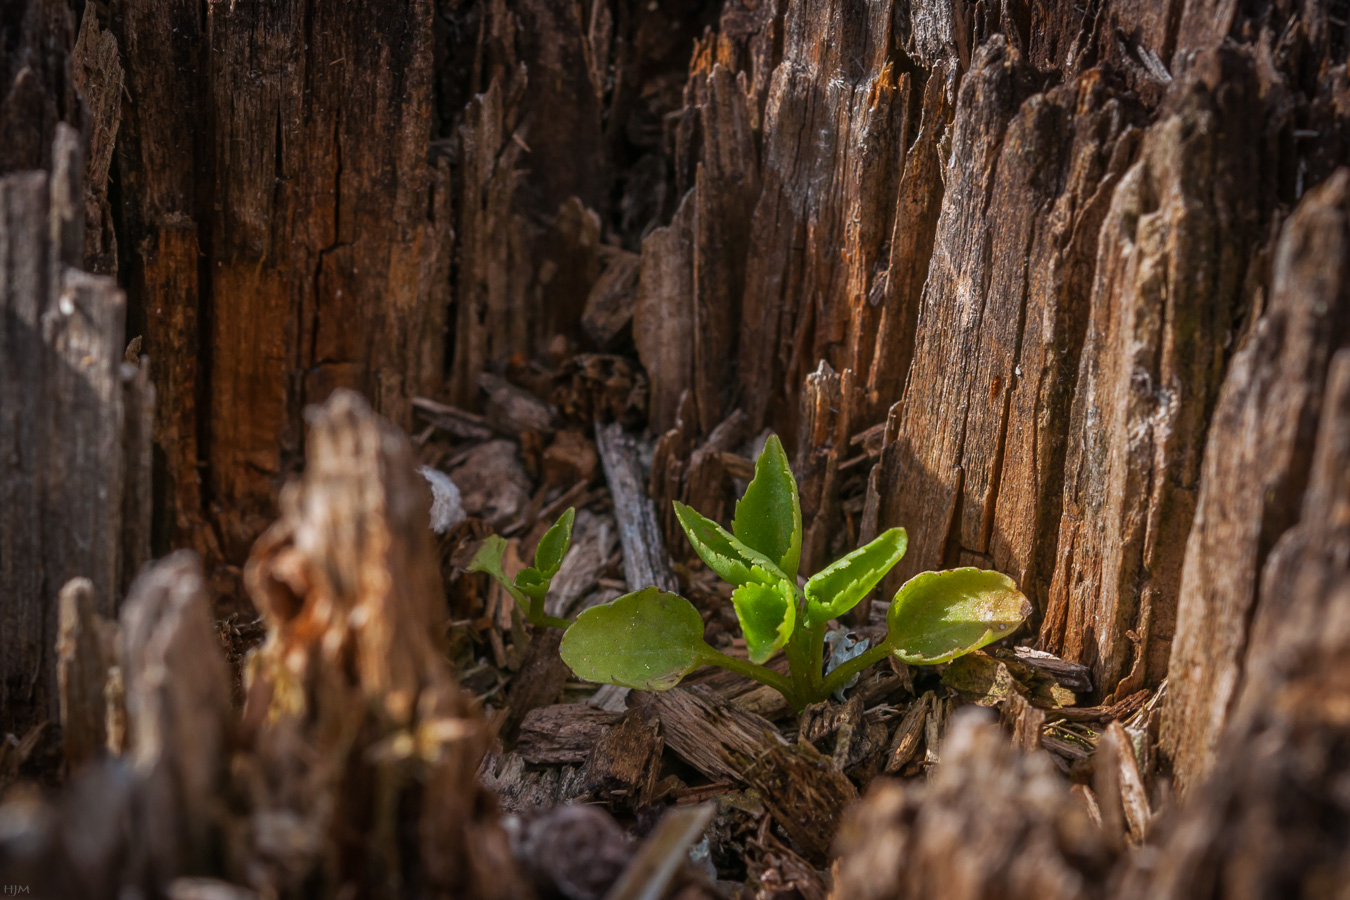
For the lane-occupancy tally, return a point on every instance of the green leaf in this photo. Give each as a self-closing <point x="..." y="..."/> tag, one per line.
<point x="533" y="583"/>
<point x="489" y="559"/>
<point x="648" y="640"/>
<point x="724" y="554"/>
<point x="769" y="517"/>
<point x="938" y="616"/>
<point x="837" y="588"/>
<point x="548" y="556"/>
<point x="768" y="614"/>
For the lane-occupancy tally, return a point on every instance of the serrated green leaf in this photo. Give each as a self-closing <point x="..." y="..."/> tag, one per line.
<point x="647" y="640"/>
<point x="724" y="553"/>
<point x="938" y="616"/>
<point x="838" y="587"/>
<point x="769" y="516"/>
<point x="533" y="583"/>
<point x="768" y="614"/>
<point x="489" y="559"/>
<point x="548" y="556"/>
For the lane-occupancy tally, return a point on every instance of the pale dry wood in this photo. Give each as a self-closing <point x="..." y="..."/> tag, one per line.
<point x="1265" y="823"/>
<point x="1255" y="472"/>
<point x="644" y="557"/>
<point x="1174" y="250"/>
<point x="1000" y="320"/>
<point x="715" y="738"/>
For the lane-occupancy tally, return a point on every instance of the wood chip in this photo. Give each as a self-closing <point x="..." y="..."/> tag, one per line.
<point x="562" y="734"/>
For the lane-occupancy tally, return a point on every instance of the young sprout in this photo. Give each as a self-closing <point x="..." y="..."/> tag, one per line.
<point x="530" y="585"/>
<point x="651" y="639"/>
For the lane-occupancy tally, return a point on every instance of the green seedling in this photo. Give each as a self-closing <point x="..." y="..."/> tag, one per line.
<point x="651" y="639"/>
<point x="530" y="585"/>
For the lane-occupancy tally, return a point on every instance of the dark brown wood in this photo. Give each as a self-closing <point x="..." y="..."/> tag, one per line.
<point x="73" y="416"/>
<point x="566" y="733"/>
<point x="624" y="764"/>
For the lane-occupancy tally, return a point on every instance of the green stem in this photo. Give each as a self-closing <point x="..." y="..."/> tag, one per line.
<point x="841" y="676"/>
<point x="816" y="645"/>
<point x="762" y="674"/>
<point x="798" y="663"/>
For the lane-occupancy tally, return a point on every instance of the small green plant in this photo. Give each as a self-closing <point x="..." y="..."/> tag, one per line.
<point x="531" y="584"/>
<point x="651" y="639"/>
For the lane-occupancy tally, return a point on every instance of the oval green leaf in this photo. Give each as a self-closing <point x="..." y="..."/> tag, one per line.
<point x="647" y="640"/>
<point x="723" y="553"/>
<point x="489" y="559"/>
<point x="839" y="587"/>
<point x="938" y="616"/>
<point x="768" y="518"/>
<point x="768" y="614"/>
<point x="548" y="556"/>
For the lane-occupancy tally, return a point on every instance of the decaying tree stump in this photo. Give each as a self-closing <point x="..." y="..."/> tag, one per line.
<point x="1062" y="288"/>
<point x="353" y="765"/>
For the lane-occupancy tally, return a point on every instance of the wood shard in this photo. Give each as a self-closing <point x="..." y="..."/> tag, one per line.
<point x="562" y="734"/>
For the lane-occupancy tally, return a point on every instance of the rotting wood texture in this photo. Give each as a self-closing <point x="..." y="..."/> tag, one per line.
<point x="1059" y="287"/>
<point x="75" y="469"/>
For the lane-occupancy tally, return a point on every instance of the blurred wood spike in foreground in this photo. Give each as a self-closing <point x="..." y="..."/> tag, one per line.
<point x="354" y="769"/>
<point x="353" y="673"/>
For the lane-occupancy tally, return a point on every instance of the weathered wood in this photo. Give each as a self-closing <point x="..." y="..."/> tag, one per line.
<point x="285" y="242"/>
<point x="1264" y="823"/>
<point x="1175" y="249"/>
<point x="566" y="733"/>
<point x="178" y="709"/>
<point x="715" y="738"/>
<point x="624" y="764"/>
<point x="644" y="557"/>
<point x="35" y="93"/>
<point x="63" y="414"/>
<point x="1255" y="469"/>
<point x="990" y="822"/>
<point x="81" y="672"/>
<point x="96" y="71"/>
<point x="354" y="671"/>
<point x="975" y="416"/>
<point x="803" y="792"/>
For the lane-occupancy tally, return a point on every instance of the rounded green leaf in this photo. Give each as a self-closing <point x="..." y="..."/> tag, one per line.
<point x="938" y="616"/>
<point x="837" y="588"/>
<point x="548" y="556"/>
<point x="768" y="614"/>
<point x="647" y="640"/>
<point x="769" y="517"/>
<point x="723" y="553"/>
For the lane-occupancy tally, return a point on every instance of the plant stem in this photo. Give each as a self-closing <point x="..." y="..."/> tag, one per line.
<point x="841" y="676"/>
<point x="816" y="645"/>
<point x="762" y="674"/>
<point x="797" y="666"/>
